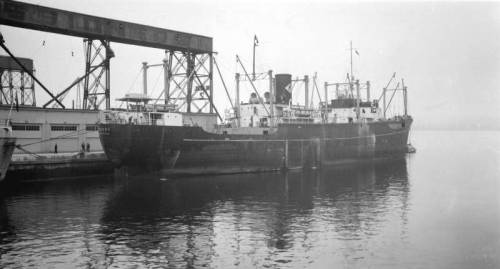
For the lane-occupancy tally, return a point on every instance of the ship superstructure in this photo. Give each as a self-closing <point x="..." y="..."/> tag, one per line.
<point x="266" y="132"/>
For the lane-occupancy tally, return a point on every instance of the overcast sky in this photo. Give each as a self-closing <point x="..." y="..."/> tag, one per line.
<point x="448" y="53"/>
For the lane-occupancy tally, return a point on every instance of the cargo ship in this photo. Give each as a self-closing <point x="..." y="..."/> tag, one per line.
<point x="261" y="134"/>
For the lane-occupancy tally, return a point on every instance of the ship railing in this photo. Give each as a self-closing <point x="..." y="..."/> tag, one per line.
<point x="295" y="120"/>
<point x="6" y="122"/>
<point x="133" y="121"/>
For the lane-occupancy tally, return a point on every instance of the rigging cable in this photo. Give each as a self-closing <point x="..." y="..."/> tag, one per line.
<point x="132" y="85"/>
<point x="156" y="84"/>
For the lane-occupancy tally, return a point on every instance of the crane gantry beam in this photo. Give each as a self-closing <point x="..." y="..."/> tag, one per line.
<point x="35" y="17"/>
<point x="99" y="32"/>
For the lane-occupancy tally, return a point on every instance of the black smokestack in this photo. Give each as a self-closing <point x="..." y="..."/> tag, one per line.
<point x="283" y="88"/>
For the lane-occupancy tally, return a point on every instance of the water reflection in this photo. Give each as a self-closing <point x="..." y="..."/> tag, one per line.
<point x="297" y="219"/>
<point x="48" y="224"/>
<point x="255" y="220"/>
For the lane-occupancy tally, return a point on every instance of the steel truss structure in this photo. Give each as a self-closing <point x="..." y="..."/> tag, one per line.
<point x="188" y="81"/>
<point x="188" y="65"/>
<point x="96" y="85"/>
<point x="96" y="80"/>
<point x="16" y="87"/>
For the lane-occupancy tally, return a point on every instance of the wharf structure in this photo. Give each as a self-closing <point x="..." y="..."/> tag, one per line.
<point x="41" y="127"/>
<point x="38" y="130"/>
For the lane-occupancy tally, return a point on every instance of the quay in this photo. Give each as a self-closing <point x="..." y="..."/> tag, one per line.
<point x="45" y="166"/>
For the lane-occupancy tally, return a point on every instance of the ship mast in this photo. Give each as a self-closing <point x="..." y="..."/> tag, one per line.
<point x="352" y="74"/>
<point x="255" y="44"/>
<point x="353" y="82"/>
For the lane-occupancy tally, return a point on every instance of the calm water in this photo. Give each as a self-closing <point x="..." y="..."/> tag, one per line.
<point x="439" y="208"/>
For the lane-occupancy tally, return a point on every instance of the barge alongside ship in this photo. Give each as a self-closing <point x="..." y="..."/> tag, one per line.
<point x="258" y="135"/>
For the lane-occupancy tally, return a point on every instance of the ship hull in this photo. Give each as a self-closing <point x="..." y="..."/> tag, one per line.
<point x="8" y="145"/>
<point x="290" y="146"/>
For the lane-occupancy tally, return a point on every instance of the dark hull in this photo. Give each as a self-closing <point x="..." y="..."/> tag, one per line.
<point x="8" y="145"/>
<point x="292" y="146"/>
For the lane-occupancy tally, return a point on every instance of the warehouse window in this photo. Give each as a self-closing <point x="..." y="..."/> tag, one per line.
<point x="25" y="127"/>
<point x="63" y="128"/>
<point x="91" y="128"/>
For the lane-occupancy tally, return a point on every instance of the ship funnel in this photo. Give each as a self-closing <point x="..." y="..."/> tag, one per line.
<point x="283" y="88"/>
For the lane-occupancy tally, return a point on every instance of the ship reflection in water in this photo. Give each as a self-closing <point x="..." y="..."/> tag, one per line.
<point x="297" y="219"/>
<point x="256" y="220"/>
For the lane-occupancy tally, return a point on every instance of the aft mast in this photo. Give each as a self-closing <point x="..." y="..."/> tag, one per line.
<point x="352" y="75"/>
<point x="353" y="82"/>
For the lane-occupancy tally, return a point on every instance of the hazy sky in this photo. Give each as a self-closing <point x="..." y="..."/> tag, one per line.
<point x="448" y="53"/>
